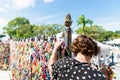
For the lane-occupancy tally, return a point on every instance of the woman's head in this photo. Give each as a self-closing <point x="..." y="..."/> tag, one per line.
<point x="85" y="45"/>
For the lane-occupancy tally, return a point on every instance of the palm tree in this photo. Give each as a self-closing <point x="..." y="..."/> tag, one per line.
<point x="82" y="21"/>
<point x="90" y="22"/>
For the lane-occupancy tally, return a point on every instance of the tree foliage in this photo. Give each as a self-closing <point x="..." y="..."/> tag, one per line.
<point x="20" y="28"/>
<point x="39" y="30"/>
<point x="98" y="33"/>
<point x="14" y="25"/>
<point x="25" y="31"/>
<point x="55" y="28"/>
<point x="48" y="29"/>
<point x="95" y="31"/>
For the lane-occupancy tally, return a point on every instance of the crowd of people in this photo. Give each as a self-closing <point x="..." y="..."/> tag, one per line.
<point x="38" y="60"/>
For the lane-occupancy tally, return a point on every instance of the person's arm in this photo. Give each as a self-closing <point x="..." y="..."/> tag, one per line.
<point x="53" y="57"/>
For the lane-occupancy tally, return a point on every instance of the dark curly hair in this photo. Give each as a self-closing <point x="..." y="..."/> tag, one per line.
<point x="85" y="45"/>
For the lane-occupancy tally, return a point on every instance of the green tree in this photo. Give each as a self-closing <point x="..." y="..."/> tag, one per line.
<point x="25" y="31"/>
<point x="14" y="24"/>
<point x="39" y="30"/>
<point x="54" y="29"/>
<point x="94" y="31"/>
<point x="48" y="29"/>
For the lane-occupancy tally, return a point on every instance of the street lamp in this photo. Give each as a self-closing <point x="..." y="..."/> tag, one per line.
<point x="68" y="23"/>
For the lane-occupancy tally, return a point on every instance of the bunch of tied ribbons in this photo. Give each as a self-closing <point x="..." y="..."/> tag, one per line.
<point x="29" y="60"/>
<point x="4" y="55"/>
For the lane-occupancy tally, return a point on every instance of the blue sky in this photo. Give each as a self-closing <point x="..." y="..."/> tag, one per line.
<point x="105" y="13"/>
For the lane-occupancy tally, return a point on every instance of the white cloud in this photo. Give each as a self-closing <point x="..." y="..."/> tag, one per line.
<point x="50" y="17"/>
<point x="104" y="19"/>
<point x="20" y="4"/>
<point x="46" y="18"/>
<point x="7" y="5"/>
<point x="3" y="22"/>
<point x="2" y="9"/>
<point x="48" y="1"/>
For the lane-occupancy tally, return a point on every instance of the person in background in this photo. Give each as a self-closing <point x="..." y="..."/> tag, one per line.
<point x="101" y="61"/>
<point x="79" y="67"/>
<point x="107" y="60"/>
<point x="112" y="56"/>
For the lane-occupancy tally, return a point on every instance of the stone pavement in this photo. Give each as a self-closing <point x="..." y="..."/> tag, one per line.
<point x="118" y="64"/>
<point x="5" y="75"/>
<point x="116" y="69"/>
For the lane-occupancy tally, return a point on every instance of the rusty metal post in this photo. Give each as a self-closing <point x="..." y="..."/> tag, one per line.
<point x="68" y="33"/>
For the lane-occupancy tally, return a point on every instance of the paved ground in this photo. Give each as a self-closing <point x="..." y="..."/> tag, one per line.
<point x="116" y="69"/>
<point x="5" y="75"/>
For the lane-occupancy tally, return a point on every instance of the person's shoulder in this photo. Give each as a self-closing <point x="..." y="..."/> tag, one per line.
<point x="64" y="62"/>
<point x="65" y="59"/>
